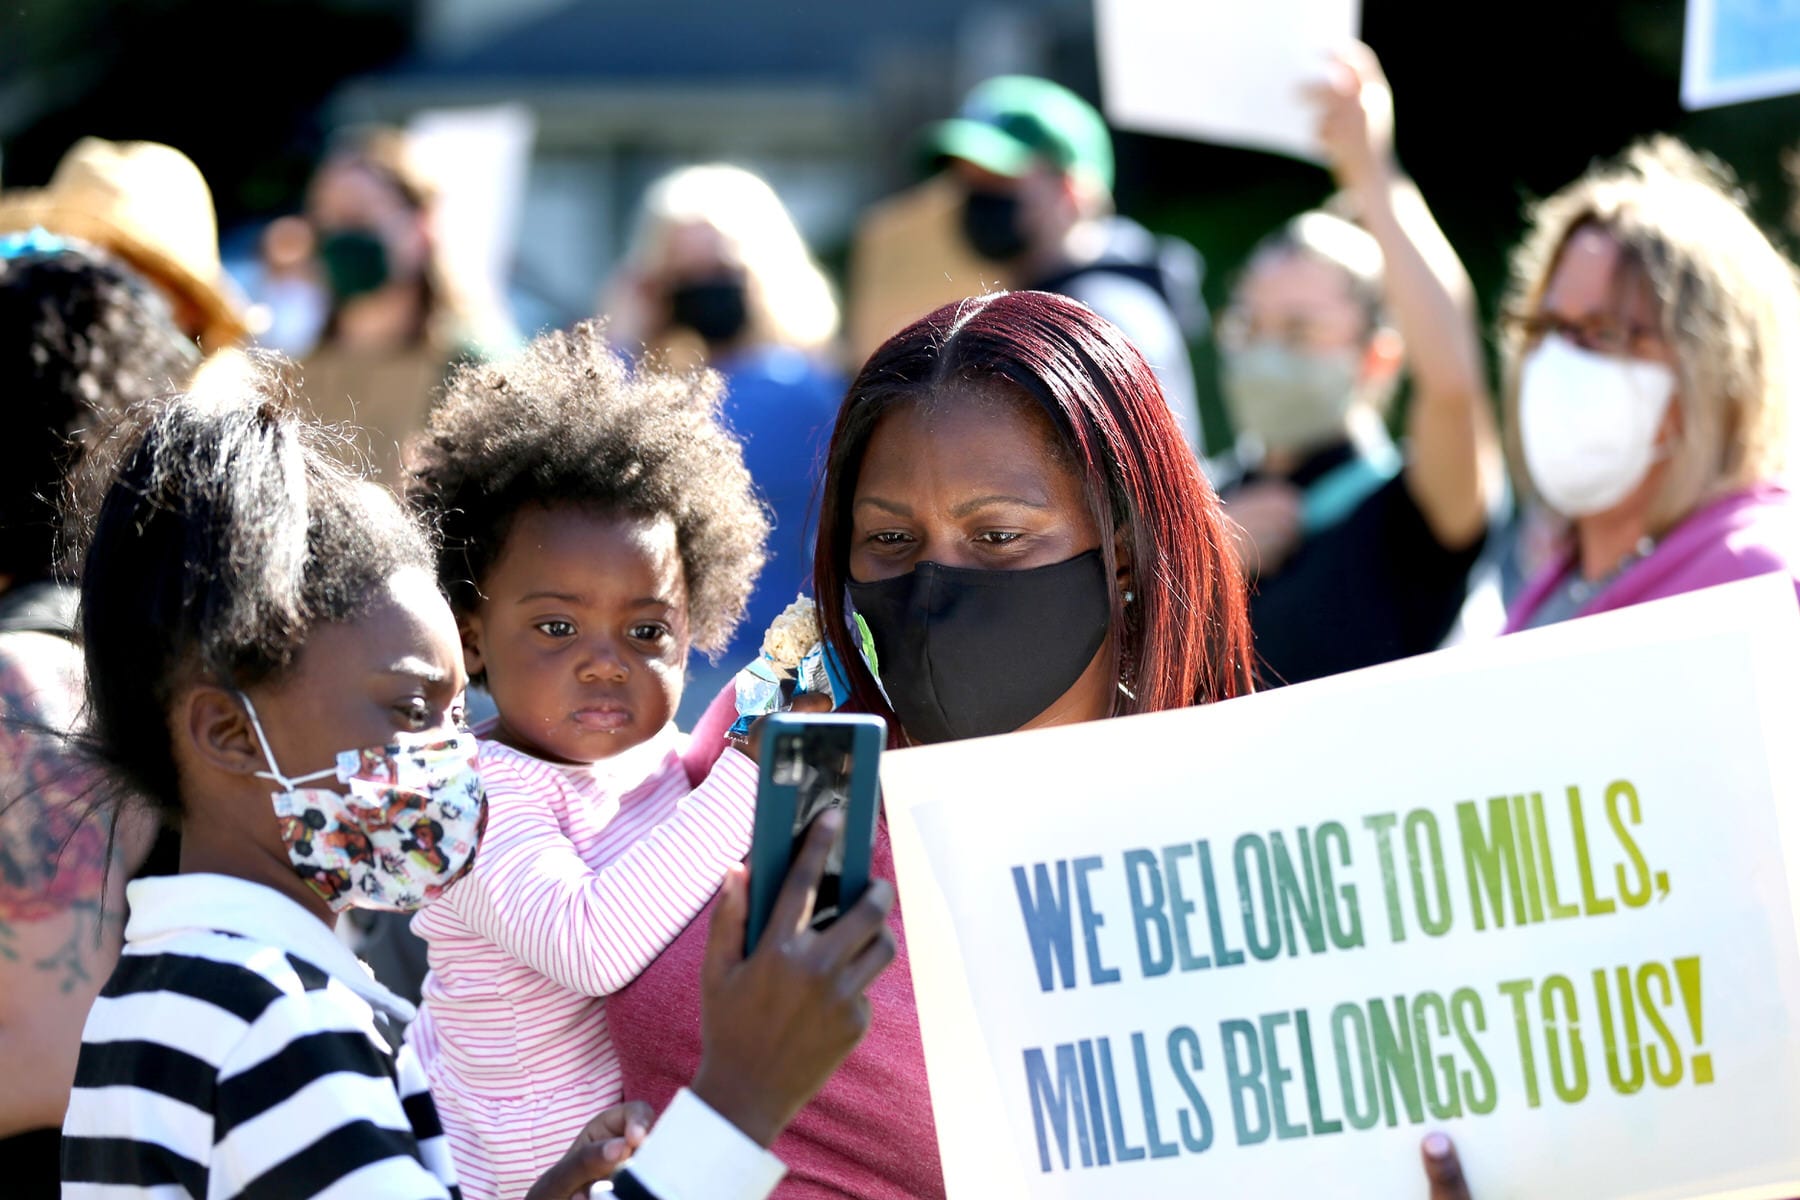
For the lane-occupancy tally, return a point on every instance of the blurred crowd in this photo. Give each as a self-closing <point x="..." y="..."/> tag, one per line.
<point x="738" y="419"/>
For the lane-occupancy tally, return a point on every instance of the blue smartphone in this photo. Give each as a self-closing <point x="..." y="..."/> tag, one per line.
<point x="812" y="762"/>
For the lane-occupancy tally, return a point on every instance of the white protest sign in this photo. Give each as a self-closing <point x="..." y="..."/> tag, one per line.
<point x="479" y="159"/>
<point x="1737" y="50"/>
<point x="1533" y="893"/>
<point x="1220" y="70"/>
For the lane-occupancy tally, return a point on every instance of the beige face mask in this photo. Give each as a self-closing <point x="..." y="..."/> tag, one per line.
<point x="1288" y="400"/>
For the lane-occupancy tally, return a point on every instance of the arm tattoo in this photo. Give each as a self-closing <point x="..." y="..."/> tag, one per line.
<point x="53" y="854"/>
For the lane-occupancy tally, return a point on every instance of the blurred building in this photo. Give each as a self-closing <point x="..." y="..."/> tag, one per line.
<point x="233" y="84"/>
<point x="819" y="96"/>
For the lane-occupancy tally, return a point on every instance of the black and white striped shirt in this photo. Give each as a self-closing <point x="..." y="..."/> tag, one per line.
<point x="235" y="1053"/>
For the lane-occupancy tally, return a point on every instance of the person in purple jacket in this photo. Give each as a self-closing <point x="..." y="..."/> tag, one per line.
<point x="1650" y="351"/>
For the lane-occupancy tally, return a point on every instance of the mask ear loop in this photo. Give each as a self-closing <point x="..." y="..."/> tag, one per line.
<point x="274" y="772"/>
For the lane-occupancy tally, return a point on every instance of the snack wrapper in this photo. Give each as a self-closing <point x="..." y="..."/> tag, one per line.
<point x="796" y="661"/>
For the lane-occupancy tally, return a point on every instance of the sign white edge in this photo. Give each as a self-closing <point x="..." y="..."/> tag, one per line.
<point x="954" y="1043"/>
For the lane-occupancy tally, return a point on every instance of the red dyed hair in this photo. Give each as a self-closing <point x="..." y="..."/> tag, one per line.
<point x="1186" y="636"/>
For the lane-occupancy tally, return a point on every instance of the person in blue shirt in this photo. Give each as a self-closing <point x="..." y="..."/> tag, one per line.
<point x="717" y="273"/>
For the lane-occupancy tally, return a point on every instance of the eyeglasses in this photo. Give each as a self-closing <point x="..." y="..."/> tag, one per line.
<point x="1236" y="331"/>
<point x="1599" y="334"/>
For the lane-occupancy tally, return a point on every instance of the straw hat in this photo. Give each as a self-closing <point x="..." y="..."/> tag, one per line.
<point x="149" y="204"/>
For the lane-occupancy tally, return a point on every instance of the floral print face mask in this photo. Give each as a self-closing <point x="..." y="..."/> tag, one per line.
<point x="406" y="829"/>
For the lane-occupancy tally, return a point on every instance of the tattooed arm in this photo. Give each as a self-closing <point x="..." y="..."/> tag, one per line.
<point x="60" y="920"/>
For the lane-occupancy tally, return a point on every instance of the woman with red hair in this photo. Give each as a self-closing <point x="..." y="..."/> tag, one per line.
<point x="1010" y="507"/>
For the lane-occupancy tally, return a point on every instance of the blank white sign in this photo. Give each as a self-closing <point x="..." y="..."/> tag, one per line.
<point x="1228" y="71"/>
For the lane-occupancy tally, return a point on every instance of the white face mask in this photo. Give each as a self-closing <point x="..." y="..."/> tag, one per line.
<point x="1589" y="423"/>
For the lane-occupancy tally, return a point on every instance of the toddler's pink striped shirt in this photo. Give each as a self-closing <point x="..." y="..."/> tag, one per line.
<point x="584" y="875"/>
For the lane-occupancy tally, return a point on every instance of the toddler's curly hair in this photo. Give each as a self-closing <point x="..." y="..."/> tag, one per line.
<point x="567" y="421"/>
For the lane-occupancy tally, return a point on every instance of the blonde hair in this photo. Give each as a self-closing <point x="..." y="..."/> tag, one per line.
<point x="1331" y="239"/>
<point x="789" y="299"/>
<point x="1726" y="300"/>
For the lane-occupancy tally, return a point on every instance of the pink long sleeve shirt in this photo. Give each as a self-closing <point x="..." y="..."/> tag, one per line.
<point x="584" y="875"/>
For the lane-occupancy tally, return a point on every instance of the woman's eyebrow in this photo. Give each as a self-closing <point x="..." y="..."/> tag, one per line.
<point x="969" y="506"/>
<point x="899" y="510"/>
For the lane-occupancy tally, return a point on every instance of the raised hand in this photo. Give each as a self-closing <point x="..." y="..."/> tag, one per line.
<point x="1356" y="118"/>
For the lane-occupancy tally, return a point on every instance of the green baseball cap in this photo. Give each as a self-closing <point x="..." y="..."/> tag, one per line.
<point x="1009" y="122"/>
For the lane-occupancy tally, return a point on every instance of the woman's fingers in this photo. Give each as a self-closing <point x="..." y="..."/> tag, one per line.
<point x="635" y="1119"/>
<point x="620" y="1121"/>
<point x="1443" y="1168"/>
<point x="854" y="929"/>
<point x="794" y="907"/>
<point x="871" y="961"/>
<point x="1364" y="61"/>
<point x="806" y="702"/>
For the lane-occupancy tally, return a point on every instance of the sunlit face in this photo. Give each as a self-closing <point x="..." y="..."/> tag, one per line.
<point x="979" y="482"/>
<point x="582" y="631"/>
<point x="1594" y="303"/>
<point x="1299" y="301"/>
<point x="1598" y="301"/>
<point x="696" y="252"/>
<point x="1047" y="205"/>
<point x="966" y="484"/>
<point x="347" y="196"/>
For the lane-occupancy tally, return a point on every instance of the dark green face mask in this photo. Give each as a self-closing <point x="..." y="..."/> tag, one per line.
<point x="355" y="263"/>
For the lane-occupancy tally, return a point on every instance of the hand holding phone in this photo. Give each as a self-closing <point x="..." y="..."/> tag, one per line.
<point x="774" y="1025"/>
<point x="810" y="763"/>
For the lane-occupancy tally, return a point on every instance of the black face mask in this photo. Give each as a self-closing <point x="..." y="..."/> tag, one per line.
<point x="969" y="653"/>
<point x="715" y="309"/>
<point x="355" y="262"/>
<point x="990" y="222"/>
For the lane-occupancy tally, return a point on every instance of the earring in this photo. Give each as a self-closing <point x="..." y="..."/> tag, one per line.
<point x="1130" y="595"/>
